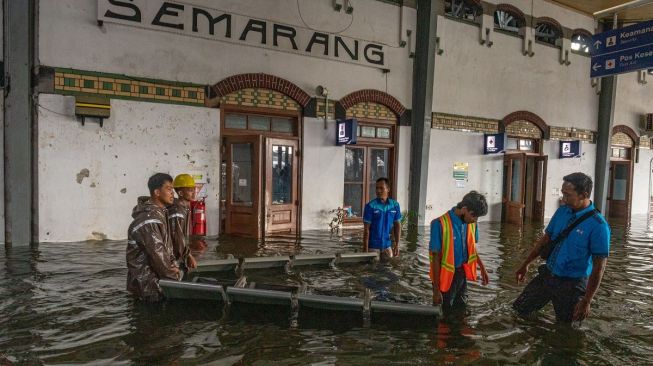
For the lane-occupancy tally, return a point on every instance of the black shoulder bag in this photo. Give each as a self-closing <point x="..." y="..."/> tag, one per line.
<point x="548" y="247"/>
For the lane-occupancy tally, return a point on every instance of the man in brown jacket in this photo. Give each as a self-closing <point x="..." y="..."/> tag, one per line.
<point x="149" y="249"/>
<point x="179" y="219"/>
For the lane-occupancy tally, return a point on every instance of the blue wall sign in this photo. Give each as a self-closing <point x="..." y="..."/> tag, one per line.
<point x="494" y="143"/>
<point x="346" y="132"/>
<point x="569" y="149"/>
<point x="622" y="50"/>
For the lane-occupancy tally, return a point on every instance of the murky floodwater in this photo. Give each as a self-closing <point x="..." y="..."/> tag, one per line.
<point x="66" y="303"/>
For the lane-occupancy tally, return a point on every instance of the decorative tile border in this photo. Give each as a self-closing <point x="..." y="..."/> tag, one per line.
<point x="369" y="110"/>
<point x="621" y="139"/>
<point x="524" y="129"/>
<point x="454" y="122"/>
<point x="569" y="133"/>
<point x="644" y="142"/>
<point x="259" y="97"/>
<point x="73" y="82"/>
<point x="320" y="108"/>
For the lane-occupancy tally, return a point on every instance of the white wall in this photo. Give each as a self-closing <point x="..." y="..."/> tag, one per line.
<point x="323" y="174"/>
<point x="138" y="140"/>
<point x="641" y="180"/>
<point x="403" y="167"/>
<point x="557" y="168"/>
<point x="492" y="82"/>
<point x="485" y="173"/>
<point x="70" y="37"/>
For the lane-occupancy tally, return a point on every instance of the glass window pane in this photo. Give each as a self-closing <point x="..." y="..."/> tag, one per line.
<point x="259" y="123"/>
<point x="383" y="133"/>
<point x="367" y="131"/>
<point x="354" y="163"/>
<point x="282" y="165"/>
<point x="615" y="153"/>
<point x="515" y="188"/>
<point x="540" y="182"/>
<point x="282" y="125"/>
<point x="378" y="169"/>
<point x="620" y="183"/>
<point x="358" y="131"/>
<point x="353" y="200"/>
<point x="235" y="121"/>
<point x="526" y="145"/>
<point x="241" y="173"/>
<point x="511" y="144"/>
<point x="623" y="153"/>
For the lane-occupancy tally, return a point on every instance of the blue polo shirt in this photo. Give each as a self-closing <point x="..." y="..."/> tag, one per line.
<point x="459" y="238"/>
<point x="591" y="238"/>
<point x="381" y="217"/>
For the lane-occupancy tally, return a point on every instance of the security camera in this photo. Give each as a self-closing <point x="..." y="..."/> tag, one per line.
<point x="321" y="91"/>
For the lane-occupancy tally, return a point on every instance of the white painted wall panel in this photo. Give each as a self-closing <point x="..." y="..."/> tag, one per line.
<point x="138" y="140"/>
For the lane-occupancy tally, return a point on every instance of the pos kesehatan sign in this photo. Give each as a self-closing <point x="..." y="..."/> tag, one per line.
<point x="346" y="132"/>
<point x="494" y="143"/>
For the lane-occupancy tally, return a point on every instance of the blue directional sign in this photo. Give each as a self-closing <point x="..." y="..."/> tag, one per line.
<point x="346" y="132"/>
<point x="622" y="50"/>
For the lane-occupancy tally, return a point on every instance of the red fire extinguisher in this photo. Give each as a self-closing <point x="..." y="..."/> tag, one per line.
<point x="198" y="219"/>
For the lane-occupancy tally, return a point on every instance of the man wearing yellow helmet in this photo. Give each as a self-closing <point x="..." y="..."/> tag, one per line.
<point x="179" y="218"/>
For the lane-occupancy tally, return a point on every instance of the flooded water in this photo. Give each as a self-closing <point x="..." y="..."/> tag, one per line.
<point x="66" y="303"/>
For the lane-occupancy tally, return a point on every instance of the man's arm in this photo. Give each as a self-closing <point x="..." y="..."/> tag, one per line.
<point x="582" y="309"/>
<point x="535" y="252"/>
<point x="435" y="258"/>
<point x="485" y="278"/>
<point x="397" y="235"/>
<point x="366" y="236"/>
<point x="151" y="237"/>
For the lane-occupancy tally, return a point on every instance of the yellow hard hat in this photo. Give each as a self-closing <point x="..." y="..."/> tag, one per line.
<point x="184" y="181"/>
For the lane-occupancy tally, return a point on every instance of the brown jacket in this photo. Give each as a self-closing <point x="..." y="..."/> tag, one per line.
<point x="149" y="251"/>
<point x="179" y="223"/>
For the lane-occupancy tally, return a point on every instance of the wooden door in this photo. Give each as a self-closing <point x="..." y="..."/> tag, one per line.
<point x="243" y="203"/>
<point x="514" y="167"/>
<point x="540" y="187"/>
<point x="620" y="189"/>
<point x="281" y="186"/>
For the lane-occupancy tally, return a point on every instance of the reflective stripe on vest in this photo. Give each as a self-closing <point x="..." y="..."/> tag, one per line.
<point x="447" y="265"/>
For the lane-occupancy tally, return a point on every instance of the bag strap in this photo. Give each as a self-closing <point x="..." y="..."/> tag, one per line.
<point x="565" y="233"/>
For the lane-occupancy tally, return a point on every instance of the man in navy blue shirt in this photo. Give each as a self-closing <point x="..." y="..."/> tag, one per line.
<point x="381" y="216"/>
<point x="563" y="280"/>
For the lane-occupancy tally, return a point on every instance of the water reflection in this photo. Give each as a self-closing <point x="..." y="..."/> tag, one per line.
<point x="66" y="303"/>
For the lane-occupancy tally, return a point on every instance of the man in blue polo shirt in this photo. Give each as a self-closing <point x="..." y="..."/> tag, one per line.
<point x="563" y="280"/>
<point x="380" y="216"/>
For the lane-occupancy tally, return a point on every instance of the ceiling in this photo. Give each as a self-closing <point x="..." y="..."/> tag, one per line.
<point x="641" y="13"/>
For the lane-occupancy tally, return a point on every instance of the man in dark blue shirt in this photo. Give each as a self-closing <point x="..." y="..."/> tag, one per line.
<point x="381" y="216"/>
<point x="563" y="280"/>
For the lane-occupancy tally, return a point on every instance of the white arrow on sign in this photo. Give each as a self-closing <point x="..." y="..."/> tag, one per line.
<point x="596" y="67"/>
<point x="597" y="44"/>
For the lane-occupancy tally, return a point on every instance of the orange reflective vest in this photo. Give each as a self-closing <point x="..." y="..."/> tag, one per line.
<point x="447" y="265"/>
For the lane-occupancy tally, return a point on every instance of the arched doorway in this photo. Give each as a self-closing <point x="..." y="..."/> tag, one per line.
<point x="623" y="144"/>
<point x="260" y="131"/>
<point x="524" y="168"/>
<point x="374" y="154"/>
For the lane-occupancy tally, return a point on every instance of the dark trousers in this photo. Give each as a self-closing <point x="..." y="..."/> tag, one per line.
<point x="456" y="297"/>
<point x="563" y="292"/>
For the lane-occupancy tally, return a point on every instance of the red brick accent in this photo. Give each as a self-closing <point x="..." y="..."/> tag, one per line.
<point x="372" y="95"/>
<point x="260" y="80"/>
<point x="581" y="31"/>
<point x="526" y="116"/>
<point x="551" y="22"/>
<point x="628" y="131"/>
<point x="514" y="11"/>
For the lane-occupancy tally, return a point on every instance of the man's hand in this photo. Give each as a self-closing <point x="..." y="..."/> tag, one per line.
<point x="485" y="278"/>
<point x="582" y="309"/>
<point x="437" y="297"/>
<point x="520" y="274"/>
<point x="191" y="262"/>
<point x="395" y="250"/>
